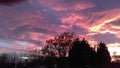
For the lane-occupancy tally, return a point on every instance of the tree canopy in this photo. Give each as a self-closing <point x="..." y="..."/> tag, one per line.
<point x="78" y="51"/>
<point x="59" y="45"/>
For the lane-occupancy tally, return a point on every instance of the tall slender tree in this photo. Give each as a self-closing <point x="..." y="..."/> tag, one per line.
<point x="103" y="53"/>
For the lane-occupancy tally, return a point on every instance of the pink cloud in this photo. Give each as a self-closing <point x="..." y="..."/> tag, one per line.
<point x="61" y="5"/>
<point x="74" y="19"/>
<point x="75" y="7"/>
<point x="39" y="36"/>
<point x="107" y="17"/>
<point x="38" y="20"/>
<point x="10" y="50"/>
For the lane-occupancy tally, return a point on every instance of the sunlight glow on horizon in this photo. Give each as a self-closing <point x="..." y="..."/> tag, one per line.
<point x="114" y="49"/>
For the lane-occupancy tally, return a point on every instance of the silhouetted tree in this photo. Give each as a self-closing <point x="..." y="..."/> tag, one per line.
<point x="59" y="45"/>
<point x="103" y="54"/>
<point x="81" y="53"/>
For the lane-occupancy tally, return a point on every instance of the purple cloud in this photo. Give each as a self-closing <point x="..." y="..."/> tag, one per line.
<point x="34" y="21"/>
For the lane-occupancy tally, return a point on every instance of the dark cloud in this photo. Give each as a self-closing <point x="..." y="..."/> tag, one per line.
<point x="61" y="5"/>
<point x="105" y="5"/>
<point x="79" y="30"/>
<point x="107" y="38"/>
<point x="117" y="22"/>
<point x="42" y="30"/>
<point x="10" y="2"/>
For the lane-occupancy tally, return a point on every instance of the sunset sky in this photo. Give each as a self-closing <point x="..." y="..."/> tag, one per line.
<point x="28" y="23"/>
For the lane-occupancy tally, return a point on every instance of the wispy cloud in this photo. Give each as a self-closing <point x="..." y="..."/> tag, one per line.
<point x="33" y="21"/>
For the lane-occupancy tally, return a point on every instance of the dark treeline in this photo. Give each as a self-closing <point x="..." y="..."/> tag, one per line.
<point x="82" y="54"/>
<point x="68" y="51"/>
<point x="77" y="52"/>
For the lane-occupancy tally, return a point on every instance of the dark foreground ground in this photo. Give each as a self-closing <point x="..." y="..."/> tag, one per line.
<point x="113" y="65"/>
<point x="24" y="65"/>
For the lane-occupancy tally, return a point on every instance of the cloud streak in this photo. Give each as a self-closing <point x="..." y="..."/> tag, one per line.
<point x="33" y="21"/>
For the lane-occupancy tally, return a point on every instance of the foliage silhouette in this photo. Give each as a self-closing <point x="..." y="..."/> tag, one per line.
<point x="103" y="54"/>
<point x="59" y="45"/>
<point x="81" y="53"/>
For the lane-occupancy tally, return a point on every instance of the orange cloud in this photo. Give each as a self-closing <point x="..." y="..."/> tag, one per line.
<point x="109" y="16"/>
<point x="115" y="27"/>
<point x="108" y="31"/>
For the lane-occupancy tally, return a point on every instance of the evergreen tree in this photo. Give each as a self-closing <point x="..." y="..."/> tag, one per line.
<point x="103" y="54"/>
<point x="81" y="53"/>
